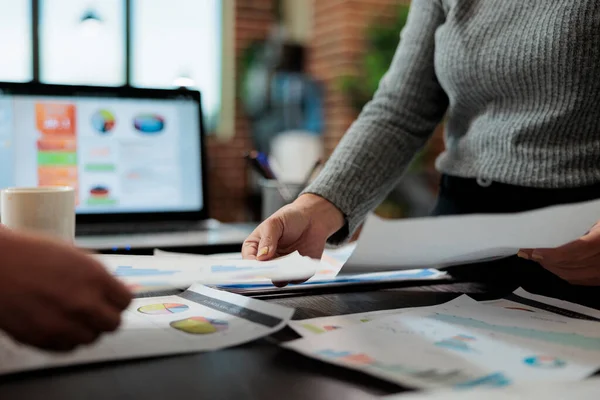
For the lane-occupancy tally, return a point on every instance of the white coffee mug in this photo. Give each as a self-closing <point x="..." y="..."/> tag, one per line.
<point x="49" y="210"/>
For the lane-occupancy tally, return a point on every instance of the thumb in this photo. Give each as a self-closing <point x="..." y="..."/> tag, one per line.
<point x="271" y="232"/>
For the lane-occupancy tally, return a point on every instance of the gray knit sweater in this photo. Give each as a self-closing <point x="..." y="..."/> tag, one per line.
<point x="519" y="84"/>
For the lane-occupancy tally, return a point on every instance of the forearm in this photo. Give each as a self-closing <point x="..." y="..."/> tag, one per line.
<point x="409" y="103"/>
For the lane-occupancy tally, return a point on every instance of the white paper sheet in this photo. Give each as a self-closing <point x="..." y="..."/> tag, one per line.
<point x="463" y="344"/>
<point x="588" y="389"/>
<point x="441" y="241"/>
<point x="520" y="299"/>
<point x="334" y="258"/>
<point x="148" y="273"/>
<point x="322" y="271"/>
<point x="327" y="275"/>
<point x="199" y="319"/>
<point x="320" y="325"/>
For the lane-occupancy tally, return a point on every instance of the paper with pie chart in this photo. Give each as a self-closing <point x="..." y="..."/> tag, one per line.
<point x="199" y="319"/>
<point x="464" y="344"/>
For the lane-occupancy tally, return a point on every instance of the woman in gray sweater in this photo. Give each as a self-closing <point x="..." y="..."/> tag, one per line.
<point x="519" y="85"/>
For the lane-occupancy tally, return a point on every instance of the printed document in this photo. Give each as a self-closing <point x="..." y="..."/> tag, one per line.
<point x="463" y="344"/>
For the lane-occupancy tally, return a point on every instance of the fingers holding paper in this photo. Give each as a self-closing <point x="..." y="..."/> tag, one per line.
<point x="577" y="262"/>
<point x="302" y="226"/>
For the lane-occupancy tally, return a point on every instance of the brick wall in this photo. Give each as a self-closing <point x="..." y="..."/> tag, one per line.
<point x="335" y="49"/>
<point x="227" y="169"/>
<point x="337" y="44"/>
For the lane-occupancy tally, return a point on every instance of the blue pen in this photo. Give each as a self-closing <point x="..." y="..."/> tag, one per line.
<point x="263" y="159"/>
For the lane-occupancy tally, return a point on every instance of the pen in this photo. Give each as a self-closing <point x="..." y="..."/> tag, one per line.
<point x="263" y="159"/>
<point x="258" y="167"/>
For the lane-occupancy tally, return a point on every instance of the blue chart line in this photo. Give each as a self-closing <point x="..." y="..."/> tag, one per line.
<point x="130" y="271"/>
<point x="229" y="268"/>
<point x="235" y="268"/>
<point x="566" y="339"/>
<point x="363" y="279"/>
<point x="424" y="273"/>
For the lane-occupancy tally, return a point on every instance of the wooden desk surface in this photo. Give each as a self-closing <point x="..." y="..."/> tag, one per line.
<point x="259" y="370"/>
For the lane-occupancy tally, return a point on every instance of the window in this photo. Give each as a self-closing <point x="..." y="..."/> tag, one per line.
<point x="16" y="46"/>
<point x="166" y="44"/>
<point x="178" y="43"/>
<point x="82" y="42"/>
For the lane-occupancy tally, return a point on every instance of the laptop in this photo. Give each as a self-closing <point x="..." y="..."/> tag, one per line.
<point x="135" y="157"/>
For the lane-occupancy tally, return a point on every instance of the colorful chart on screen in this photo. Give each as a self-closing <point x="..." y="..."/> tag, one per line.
<point x="149" y="124"/>
<point x="99" y="191"/>
<point x="103" y="121"/>
<point x="200" y="325"/>
<point x="163" y="308"/>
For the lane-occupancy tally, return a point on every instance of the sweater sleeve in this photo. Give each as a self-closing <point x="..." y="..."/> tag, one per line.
<point x="402" y="115"/>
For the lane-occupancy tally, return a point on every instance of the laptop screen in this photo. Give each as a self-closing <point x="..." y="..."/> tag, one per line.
<point x="138" y="154"/>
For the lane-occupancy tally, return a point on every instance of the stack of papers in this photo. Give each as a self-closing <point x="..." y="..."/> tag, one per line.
<point x="461" y="344"/>
<point x="199" y="319"/>
<point x="327" y="273"/>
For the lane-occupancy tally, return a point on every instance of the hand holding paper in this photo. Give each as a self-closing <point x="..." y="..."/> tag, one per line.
<point x="448" y="240"/>
<point x="303" y="226"/>
<point x="577" y="262"/>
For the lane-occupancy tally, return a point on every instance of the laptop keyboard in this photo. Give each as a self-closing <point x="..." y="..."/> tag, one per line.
<point x="146" y="228"/>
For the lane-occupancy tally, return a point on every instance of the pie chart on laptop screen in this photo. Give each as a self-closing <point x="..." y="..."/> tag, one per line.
<point x="103" y="121"/>
<point x="149" y="124"/>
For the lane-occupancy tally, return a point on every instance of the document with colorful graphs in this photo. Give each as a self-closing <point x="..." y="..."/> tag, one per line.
<point x="152" y="273"/>
<point x="326" y="275"/>
<point x="463" y="344"/>
<point x="520" y="299"/>
<point x="198" y="319"/>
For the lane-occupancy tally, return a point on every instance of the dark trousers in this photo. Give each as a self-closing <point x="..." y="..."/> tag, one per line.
<point x="467" y="196"/>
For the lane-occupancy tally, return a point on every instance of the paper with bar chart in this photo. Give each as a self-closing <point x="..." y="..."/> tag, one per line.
<point x="198" y="319"/>
<point x="331" y="263"/>
<point x="327" y="275"/>
<point x="519" y="300"/>
<point x="152" y="273"/>
<point x="463" y="344"/>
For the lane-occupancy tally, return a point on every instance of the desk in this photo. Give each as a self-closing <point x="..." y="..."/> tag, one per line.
<point x="258" y="370"/>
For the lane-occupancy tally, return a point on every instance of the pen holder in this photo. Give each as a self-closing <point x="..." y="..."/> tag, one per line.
<point x="276" y="194"/>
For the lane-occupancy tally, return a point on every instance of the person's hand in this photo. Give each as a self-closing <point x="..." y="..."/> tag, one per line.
<point x="303" y="226"/>
<point x="577" y="262"/>
<point x="54" y="296"/>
